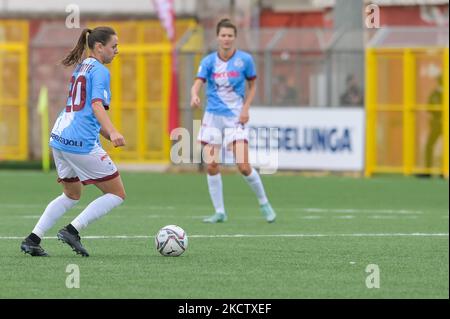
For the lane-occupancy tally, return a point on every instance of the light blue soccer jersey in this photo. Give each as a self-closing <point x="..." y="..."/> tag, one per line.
<point x="226" y="81"/>
<point x="76" y="129"/>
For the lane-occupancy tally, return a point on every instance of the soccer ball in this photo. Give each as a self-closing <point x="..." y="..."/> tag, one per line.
<point x="171" y="240"/>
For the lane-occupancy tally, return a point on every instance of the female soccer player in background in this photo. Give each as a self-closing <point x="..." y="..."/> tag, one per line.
<point x="226" y="72"/>
<point x="78" y="155"/>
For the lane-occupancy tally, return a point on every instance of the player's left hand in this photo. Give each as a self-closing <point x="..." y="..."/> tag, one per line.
<point x="117" y="139"/>
<point x="244" y="117"/>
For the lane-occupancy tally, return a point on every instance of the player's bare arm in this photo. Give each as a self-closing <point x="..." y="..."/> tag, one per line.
<point x="107" y="128"/>
<point x="244" y="116"/>
<point x="195" y="99"/>
<point x="104" y="133"/>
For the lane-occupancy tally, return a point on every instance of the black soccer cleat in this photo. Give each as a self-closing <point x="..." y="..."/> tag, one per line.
<point x="73" y="241"/>
<point x="30" y="247"/>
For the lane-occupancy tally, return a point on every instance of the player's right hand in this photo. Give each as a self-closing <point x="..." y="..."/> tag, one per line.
<point x="117" y="139"/>
<point x="195" y="101"/>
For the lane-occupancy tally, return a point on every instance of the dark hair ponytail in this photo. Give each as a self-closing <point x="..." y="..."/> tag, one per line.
<point x="76" y="54"/>
<point x="99" y="34"/>
<point x="225" y="23"/>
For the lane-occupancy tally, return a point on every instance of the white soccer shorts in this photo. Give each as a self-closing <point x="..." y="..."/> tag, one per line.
<point x="222" y="130"/>
<point x="90" y="168"/>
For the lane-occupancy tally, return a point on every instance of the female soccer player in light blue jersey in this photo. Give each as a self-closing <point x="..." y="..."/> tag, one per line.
<point x="224" y="123"/>
<point x="78" y="155"/>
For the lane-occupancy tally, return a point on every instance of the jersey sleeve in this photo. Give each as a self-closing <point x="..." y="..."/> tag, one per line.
<point x="100" y="87"/>
<point x="250" y="69"/>
<point x="203" y="69"/>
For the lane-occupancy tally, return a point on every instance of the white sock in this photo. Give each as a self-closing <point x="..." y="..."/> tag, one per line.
<point x="95" y="210"/>
<point x="216" y="193"/>
<point x="55" y="209"/>
<point x="256" y="184"/>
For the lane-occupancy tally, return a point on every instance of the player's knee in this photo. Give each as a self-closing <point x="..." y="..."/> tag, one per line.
<point x="121" y="194"/>
<point x="213" y="169"/>
<point x="245" y="169"/>
<point x="73" y="195"/>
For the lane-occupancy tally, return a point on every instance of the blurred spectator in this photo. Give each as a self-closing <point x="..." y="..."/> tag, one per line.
<point x="284" y="93"/>
<point x="435" y="124"/>
<point x="353" y="95"/>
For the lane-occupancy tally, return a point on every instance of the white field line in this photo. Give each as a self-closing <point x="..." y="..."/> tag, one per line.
<point x="258" y="236"/>
<point x="300" y="209"/>
<point x="118" y="216"/>
<point x="129" y="207"/>
<point x="314" y="217"/>
<point x="352" y="210"/>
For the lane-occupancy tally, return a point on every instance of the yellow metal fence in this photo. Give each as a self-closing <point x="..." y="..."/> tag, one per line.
<point x="140" y="78"/>
<point x="13" y="90"/>
<point x="139" y="108"/>
<point x="140" y="82"/>
<point x="407" y="111"/>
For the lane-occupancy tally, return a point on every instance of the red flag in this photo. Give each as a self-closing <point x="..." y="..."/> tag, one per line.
<point x="173" y="106"/>
<point x="166" y="15"/>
